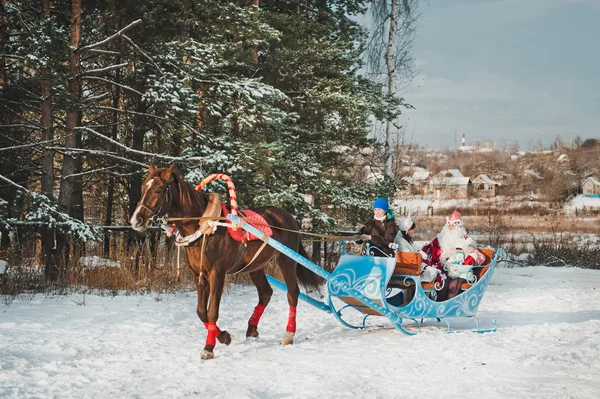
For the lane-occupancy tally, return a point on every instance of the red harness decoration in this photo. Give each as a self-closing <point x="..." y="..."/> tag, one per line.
<point x="252" y="218"/>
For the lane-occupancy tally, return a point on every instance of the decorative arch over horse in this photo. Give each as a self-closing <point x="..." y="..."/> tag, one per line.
<point x="211" y="253"/>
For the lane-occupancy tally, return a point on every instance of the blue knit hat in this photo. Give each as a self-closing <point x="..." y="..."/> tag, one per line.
<point x="381" y="203"/>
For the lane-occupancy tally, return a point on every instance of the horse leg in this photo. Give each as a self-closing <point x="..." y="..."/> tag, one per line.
<point x="203" y="288"/>
<point x="216" y="282"/>
<point x="288" y="269"/>
<point x="264" y="296"/>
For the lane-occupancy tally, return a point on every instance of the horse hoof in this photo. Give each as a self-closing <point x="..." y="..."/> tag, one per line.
<point x="288" y="338"/>
<point x="205" y="355"/>
<point x="252" y="332"/>
<point x="224" y="338"/>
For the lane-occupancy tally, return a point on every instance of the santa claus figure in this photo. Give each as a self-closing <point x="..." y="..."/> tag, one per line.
<point x="443" y="246"/>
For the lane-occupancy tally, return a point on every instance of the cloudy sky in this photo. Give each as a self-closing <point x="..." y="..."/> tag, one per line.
<point x="503" y="70"/>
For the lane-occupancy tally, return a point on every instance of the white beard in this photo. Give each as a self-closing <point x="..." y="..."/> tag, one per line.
<point x="448" y="240"/>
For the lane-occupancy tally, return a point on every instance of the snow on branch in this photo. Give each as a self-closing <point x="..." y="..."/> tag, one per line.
<point x="46" y="214"/>
<point x="98" y="51"/>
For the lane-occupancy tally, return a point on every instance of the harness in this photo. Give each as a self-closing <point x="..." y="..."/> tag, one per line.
<point x="211" y="219"/>
<point x="156" y="211"/>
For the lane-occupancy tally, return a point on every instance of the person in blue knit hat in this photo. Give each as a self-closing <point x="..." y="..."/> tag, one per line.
<point x="381" y="230"/>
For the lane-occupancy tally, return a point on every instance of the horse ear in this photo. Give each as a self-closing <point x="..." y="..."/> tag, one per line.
<point x="167" y="173"/>
<point x="151" y="168"/>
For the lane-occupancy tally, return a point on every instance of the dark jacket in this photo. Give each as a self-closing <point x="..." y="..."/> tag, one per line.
<point x="382" y="234"/>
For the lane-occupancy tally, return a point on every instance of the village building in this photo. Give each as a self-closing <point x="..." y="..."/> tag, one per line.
<point x="484" y="186"/>
<point x="591" y="187"/>
<point x="450" y="184"/>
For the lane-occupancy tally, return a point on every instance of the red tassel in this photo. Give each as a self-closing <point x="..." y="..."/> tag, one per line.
<point x="291" y="326"/>
<point x="256" y="315"/>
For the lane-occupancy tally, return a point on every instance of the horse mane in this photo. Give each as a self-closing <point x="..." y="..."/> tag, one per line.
<point x="196" y="201"/>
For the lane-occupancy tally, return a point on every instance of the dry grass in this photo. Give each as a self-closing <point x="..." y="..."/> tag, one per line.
<point x="142" y="269"/>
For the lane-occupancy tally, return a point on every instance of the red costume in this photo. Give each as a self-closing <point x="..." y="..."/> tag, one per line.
<point x="433" y="252"/>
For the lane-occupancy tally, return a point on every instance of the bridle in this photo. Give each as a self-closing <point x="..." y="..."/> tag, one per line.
<point x="154" y="212"/>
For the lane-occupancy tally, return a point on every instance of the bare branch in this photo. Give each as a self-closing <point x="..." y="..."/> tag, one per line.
<point x="18" y="57"/>
<point x="111" y="38"/>
<point x="115" y="84"/>
<point x="18" y="186"/>
<point x="108" y="68"/>
<point x="89" y="172"/>
<point x="142" y="52"/>
<point x="16" y="147"/>
<point x="127" y="149"/>
<point x="125" y="111"/>
<point x="99" y="97"/>
<point x="22" y="125"/>
<point x="105" y="154"/>
<point x="98" y="51"/>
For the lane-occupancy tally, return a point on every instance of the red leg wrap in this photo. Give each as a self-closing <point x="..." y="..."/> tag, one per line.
<point x="291" y="326"/>
<point x="255" y="318"/>
<point x="213" y="333"/>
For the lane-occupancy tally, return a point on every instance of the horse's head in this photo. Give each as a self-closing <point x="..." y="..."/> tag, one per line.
<point x="156" y="197"/>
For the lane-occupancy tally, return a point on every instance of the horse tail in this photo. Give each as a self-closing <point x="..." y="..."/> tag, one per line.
<point x="306" y="277"/>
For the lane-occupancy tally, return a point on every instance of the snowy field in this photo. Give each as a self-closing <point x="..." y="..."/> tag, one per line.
<point x="547" y="346"/>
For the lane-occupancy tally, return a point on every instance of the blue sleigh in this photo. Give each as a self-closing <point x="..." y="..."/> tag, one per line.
<point x="372" y="277"/>
<point x="360" y="284"/>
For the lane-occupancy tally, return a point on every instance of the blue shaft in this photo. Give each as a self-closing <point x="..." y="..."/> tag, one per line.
<point x="314" y="268"/>
<point x="281" y="248"/>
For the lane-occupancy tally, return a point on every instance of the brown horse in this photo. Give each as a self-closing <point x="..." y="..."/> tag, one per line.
<point x="212" y="256"/>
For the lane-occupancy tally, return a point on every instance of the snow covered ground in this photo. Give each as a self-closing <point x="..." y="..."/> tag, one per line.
<point x="580" y="202"/>
<point x="547" y="345"/>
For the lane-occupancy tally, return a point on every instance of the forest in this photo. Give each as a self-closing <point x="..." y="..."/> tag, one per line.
<point x="274" y="94"/>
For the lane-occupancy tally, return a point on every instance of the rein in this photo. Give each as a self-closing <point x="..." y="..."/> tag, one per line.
<point x="326" y="237"/>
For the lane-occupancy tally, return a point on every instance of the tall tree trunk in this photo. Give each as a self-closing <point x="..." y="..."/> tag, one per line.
<point x="113" y="148"/>
<point x="3" y="40"/>
<point x="390" y="63"/>
<point x="254" y="49"/>
<point x="9" y="192"/>
<point x="47" y="126"/>
<point x="47" y="234"/>
<point x="135" y="179"/>
<point x="70" y="199"/>
<point x="69" y="185"/>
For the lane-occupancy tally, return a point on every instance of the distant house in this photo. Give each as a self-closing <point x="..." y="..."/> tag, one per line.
<point x="420" y="180"/>
<point x="417" y="184"/>
<point x="591" y="186"/>
<point x="484" y="186"/>
<point x="499" y="175"/>
<point x="449" y="184"/>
